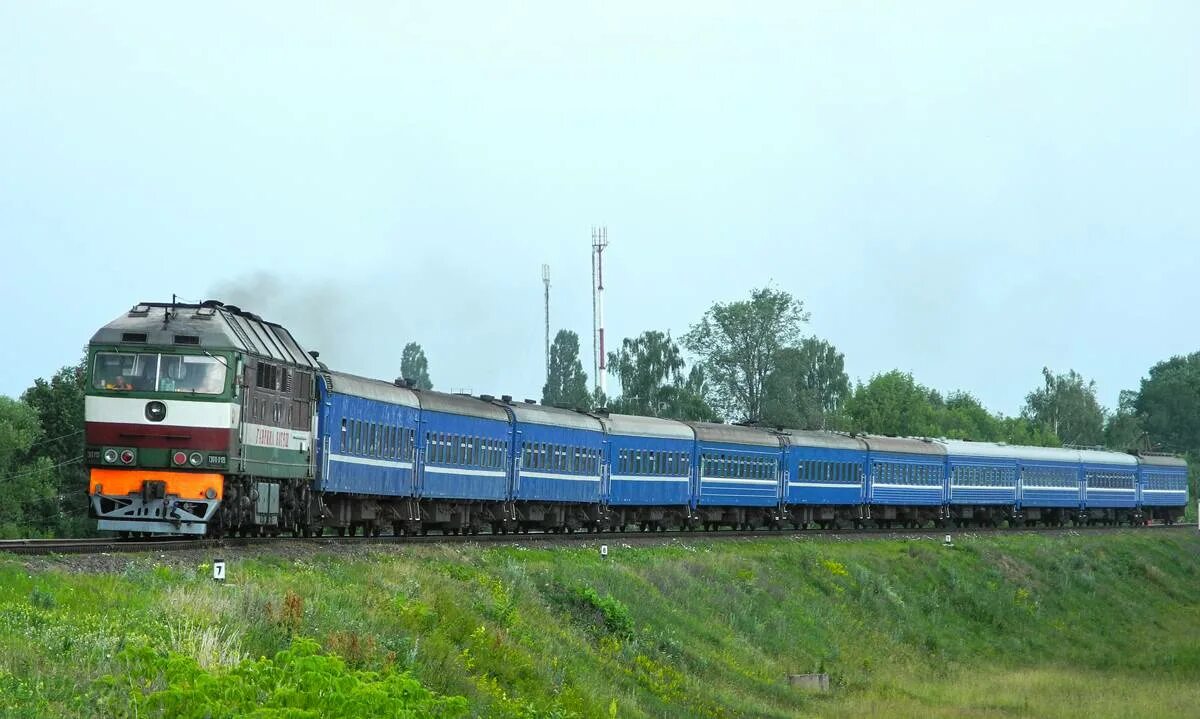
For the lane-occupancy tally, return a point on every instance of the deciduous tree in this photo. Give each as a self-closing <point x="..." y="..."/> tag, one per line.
<point x="738" y="344"/>
<point x="58" y="403"/>
<point x="650" y="368"/>
<point x="894" y="403"/>
<point x="1066" y="406"/>
<point x="1168" y="404"/>
<point x="567" y="383"/>
<point x="808" y="387"/>
<point x="27" y="481"/>
<point x="414" y="367"/>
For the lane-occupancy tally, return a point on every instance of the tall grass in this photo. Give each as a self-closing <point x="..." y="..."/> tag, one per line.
<point x="1016" y="625"/>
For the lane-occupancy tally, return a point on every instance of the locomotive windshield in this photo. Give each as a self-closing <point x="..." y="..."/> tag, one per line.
<point x="151" y="372"/>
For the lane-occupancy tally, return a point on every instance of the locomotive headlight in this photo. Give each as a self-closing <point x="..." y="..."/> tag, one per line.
<point x="195" y="459"/>
<point x="110" y="456"/>
<point x="127" y="456"/>
<point x="156" y="411"/>
<point x="210" y="493"/>
<point x="179" y="458"/>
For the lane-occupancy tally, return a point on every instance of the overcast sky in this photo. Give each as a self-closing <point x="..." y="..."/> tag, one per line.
<point x="966" y="191"/>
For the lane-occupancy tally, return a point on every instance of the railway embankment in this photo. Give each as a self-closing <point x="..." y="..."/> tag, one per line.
<point x="1090" y="624"/>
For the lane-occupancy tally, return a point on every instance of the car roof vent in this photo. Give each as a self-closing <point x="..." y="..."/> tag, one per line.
<point x="187" y="339"/>
<point x="133" y="336"/>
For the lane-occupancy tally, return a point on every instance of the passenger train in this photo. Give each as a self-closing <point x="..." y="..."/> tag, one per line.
<point x="204" y="419"/>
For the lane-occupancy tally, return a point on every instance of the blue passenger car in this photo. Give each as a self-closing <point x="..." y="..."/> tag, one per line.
<point x="559" y="454"/>
<point x="367" y="436"/>
<point x="906" y="472"/>
<point x="464" y="447"/>
<point x="824" y="468"/>
<point x="1109" y="480"/>
<point x="1162" y="486"/>
<point x="1049" y="479"/>
<point x="736" y="467"/>
<point x="649" y="461"/>
<point x="982" y="481"/>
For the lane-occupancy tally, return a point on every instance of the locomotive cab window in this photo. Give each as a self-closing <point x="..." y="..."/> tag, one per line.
<point x="146" y="372"/>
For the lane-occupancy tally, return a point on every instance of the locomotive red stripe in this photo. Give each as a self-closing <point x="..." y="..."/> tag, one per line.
<point x="157" y="436"/>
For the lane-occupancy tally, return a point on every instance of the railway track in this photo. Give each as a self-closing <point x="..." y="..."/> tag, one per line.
<point x="108" y="545"/>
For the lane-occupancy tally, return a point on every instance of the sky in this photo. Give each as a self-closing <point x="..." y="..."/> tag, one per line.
<point x="965" y="191"/>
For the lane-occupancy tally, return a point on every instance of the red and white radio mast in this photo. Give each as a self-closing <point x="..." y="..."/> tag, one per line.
<point x="599" y="366"/>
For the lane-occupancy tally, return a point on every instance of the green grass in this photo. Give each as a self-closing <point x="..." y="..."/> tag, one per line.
<point x="1098" y="625"/>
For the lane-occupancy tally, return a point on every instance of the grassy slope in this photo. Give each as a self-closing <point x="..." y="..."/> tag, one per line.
<point x="1020" y="625"/>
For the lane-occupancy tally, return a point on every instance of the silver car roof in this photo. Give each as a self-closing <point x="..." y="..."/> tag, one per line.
<point x="553" y="416"/>
<point x="633" y="425"/>
<point x="904" y="445"/>
<point x="733" y="434"/>
<point x="824" y="440"/>
<point x="375" y="389"/>
<point x="463" y="404"/>
<point x="1161" y="460"/>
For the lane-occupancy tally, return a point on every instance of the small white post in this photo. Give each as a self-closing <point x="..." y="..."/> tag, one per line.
<point x="603" y="550"/>
<point x="218" y="570"/>
<point x="948" y="542"/>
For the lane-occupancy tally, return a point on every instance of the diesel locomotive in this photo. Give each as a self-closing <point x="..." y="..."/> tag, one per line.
<point x="205" y="419"/>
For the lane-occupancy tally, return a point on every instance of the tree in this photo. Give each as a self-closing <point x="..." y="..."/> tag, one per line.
<point x="894" y="403"/>
<point x="1020" y="430"/>
<point x="964" y="417"/>
<point x="1168" y="404"/>
<point x="567" y="383"/>
<point x="808" y="387"/>
<point x="26" y="481"/>
<point x="1067" y="407"/>
<point x="738" y="344"/>
<point x="414" y="366"/>
<point x="58" y="403"/>
<point x="650" y="370"/>
<point x="1123" y="428"/>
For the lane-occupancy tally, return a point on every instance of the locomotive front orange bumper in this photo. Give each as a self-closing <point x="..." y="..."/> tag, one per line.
<point x="185" y="485"/>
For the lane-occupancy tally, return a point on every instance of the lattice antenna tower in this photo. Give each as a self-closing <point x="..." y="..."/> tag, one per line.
<point x="546" y="283"/>
<point x="599" y="368"/>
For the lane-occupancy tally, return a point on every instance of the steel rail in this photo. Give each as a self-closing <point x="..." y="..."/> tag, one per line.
<point x="109" y="545"/>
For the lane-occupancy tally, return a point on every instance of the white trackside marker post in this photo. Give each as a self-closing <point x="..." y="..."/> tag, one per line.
<point x="603" y="550"/>
<point x="218" y="570"/>
<point x="948" y="542"/>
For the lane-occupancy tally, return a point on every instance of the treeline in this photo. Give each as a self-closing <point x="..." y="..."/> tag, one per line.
<point x="43" y="483"/>
<point x="750" y="361"/>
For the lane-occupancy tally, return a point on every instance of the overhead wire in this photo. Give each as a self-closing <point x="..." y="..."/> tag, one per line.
<point x="40" y="442"/>
<point x="31" y="472"/>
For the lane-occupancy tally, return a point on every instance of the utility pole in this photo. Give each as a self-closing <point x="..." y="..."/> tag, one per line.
<point x="599" y="366"/>
<point x="546" y="282"/>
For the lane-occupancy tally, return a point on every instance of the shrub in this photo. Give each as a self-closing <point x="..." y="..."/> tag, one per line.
<point x="298" y="683"/>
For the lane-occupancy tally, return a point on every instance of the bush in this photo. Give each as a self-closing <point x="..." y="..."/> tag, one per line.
<point x="297" y="683"/>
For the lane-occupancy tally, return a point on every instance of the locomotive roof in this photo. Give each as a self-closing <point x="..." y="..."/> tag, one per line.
<point x="463" y="404"/>
<point x="633" y="425"/>
<point x="827" y="440"/>
<point x="733" y="434"/>
<point x="904" y="445"/>
<point x="553" y="416"/>
<point x="210" y="326"/>
<point x="375" y="389"/>
<point x="1161" y="460"/>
